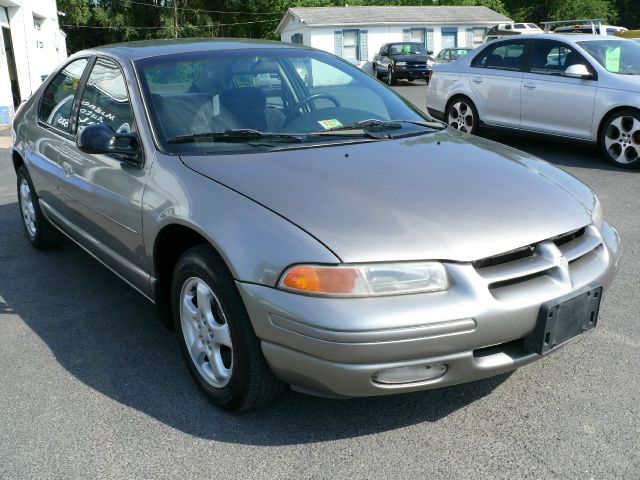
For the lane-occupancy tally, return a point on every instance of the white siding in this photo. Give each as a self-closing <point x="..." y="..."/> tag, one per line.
<point x="36" y="52"/>
<point x="322" y="38"/>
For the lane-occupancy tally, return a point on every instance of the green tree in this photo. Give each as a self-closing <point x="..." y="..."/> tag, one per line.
<point x="542" y="10"/>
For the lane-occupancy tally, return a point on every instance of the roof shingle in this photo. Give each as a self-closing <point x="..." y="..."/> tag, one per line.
<point x="409" y="15"/>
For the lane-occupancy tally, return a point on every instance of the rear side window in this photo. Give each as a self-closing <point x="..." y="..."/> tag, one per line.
<point x="503" y="56"/>
<point x="57" y="99"/>
<point x="105" y="99"/>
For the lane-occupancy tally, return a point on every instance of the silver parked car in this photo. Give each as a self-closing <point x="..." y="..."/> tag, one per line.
<point x="323" y="234"/>
<point x="579" y="87"/>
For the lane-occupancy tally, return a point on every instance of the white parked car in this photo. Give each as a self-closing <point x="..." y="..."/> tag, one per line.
<point x="507" y="29"/>
<point x="580" y="87"/>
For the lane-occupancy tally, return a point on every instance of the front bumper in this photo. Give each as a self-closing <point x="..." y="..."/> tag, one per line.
<point x="409" y="73"/>
<point x="335" y="346"/>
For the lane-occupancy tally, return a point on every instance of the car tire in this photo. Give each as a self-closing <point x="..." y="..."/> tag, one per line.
<point x="215" y="333"/>
<point x="391" y="78"/>
<point x="376" y="74"/>
<point x="620" y="138"/>
<point x="40" y="232"/>
<point x="461" y="114"/>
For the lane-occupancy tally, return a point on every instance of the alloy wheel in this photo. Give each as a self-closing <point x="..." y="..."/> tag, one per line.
<point x="28" y="210"/>
<point x="622" y="139"/>
<point x="461" y="117"/>
<point x="206" y="332"/>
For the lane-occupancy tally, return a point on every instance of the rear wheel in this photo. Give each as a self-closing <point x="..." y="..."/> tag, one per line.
<point x="215" y="333"/>
<point x="40" y="232"/>
<point x="462" y="115"/>
<point x="620" y="138"/>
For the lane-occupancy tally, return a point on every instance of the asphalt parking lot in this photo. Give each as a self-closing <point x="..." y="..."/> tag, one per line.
<point x="92" y="386"/>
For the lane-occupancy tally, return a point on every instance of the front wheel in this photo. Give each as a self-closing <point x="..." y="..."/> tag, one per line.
<point x="215" y="333"/>
<point x="462" y="115"/>
<point x="391" y="78"/>
<point x="620" y="138"/>
<point x="376" y="74"/>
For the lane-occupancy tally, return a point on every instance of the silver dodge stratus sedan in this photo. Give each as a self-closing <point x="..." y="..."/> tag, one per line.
<point x="298" y="223"/>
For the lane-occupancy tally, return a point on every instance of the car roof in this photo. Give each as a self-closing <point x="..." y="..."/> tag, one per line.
<point x="565" y="37"/>
<point x="153" y="48"/>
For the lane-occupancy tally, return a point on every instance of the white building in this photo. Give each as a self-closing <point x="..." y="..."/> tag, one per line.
<point x="33" y="45"/>
<point x="357" y="33"/>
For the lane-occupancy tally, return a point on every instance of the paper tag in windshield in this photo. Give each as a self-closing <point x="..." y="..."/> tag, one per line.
<point x="331" y="123"/>
<point x="612" y="59"/>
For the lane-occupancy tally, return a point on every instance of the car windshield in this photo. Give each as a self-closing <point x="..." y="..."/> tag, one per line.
<point x="407" y="49"/>
<point x="236" y="100"/>
<point x="617" y="56"/>
<point x="460" y="52"/>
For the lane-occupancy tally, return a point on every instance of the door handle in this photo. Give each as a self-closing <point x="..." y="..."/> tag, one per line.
<point x="529" y="85"/>
<point x="67" y="169"/>
<point x="477" y="80"/>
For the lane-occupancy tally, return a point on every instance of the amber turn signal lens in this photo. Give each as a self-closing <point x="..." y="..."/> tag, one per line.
<point x="318" y="279"/>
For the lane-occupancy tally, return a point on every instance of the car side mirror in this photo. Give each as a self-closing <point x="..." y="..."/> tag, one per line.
<point x="429" y="52"/>
<point x="578" y="70"/>
<point x="100" y="138"/>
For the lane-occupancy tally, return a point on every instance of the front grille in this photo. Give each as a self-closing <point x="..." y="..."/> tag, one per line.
<point x="550" y="258"/>
<point x="568" y="237"/>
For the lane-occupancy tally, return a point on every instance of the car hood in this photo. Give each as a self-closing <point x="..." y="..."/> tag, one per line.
<point x="410" y="58"/>
<point x="443" y="195"/>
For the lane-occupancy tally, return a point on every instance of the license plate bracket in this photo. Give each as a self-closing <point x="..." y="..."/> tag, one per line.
<point x="561" y="320"/>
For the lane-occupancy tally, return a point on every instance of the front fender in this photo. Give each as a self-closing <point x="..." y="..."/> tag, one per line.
<point x="256" y="243"/>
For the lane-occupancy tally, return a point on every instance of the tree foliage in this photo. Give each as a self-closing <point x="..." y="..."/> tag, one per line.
<point x="90" y="23"/>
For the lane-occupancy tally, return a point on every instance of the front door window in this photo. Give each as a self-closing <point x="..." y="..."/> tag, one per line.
<point x="105" y="99"/>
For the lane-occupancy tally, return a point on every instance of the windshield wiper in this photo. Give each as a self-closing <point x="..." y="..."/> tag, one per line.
<point x="239" y="135"/>
<point x="374" y="125"/>
<point x="371" y="124"/>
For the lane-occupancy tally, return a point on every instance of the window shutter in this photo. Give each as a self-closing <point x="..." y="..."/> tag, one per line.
<point x="337" y="42"/>
<point x="469" y="41"/>
<point x="364" y="46"/>
<point x="406" y="35"/>
<point x="430" y="39"/>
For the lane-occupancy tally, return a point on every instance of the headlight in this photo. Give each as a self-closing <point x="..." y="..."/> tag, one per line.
<point x="400" y="64"/>
<point x="430" y="63"/>
<point x="365" y="280"/>
<point x="596" y="214"/>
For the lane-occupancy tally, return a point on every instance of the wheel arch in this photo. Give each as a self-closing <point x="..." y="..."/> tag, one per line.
<point x="170" y="243"/>
<point x="17" y="160"/>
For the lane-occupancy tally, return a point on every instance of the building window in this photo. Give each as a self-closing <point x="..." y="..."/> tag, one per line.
<point x="418" y="35"/>
<point x="478" y="36"/>
<point x="449" y="37"/>
<point x="296" y="38"/>
<point x="351" y="44"/>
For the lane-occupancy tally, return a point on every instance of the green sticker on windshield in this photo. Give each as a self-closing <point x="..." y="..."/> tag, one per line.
<point x="612" y="59"/>
<point x="331" y="123"/>
<point x="406" y="48"/>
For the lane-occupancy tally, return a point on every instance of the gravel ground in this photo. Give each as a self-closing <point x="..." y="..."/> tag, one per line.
<point x="92" y="386"/>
